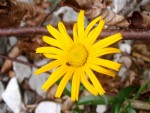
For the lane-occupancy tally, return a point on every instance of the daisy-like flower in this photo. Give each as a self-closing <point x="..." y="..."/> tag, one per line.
<point x="77" y="58"/>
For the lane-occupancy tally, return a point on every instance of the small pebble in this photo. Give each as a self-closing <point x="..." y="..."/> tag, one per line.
<point x="48" y="107"/>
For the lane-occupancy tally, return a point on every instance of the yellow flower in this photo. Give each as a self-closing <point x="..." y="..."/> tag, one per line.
<point x="77" y="58"/>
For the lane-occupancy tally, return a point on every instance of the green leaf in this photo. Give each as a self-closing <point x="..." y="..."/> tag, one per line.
<point x="130" y="110"/>
<point x="142" y="88"/>
<point x="120" y="98"/>
<point x="67" y="90"/>
<point x="116" y="107"/>
<point x="94" y="100"/>
<point x="124" y="93"/>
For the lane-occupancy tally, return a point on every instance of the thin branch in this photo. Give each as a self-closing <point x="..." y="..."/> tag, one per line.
<point x="19" y="61"/>
<point x="55" y="8"/>
<point x="130" y="34"/>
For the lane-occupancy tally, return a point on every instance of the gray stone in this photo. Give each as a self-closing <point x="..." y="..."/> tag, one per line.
<point x="37" y="81"/>
<point x="22" y="71"/>
<point x="29" y="97"/>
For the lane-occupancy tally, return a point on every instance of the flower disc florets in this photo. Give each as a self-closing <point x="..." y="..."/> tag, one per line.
<point x="77" y="55"/>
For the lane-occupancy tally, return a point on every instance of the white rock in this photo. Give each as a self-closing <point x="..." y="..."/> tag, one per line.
<point x="125" y="48"/>
<point x="36" y="82"/>
<point x="48" y="107"/>
<point x="22" y="71"/>
<point x="12" y="96"/>
<point x="101" y="108"/>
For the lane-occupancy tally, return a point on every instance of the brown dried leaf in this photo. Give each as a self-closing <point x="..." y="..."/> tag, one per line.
<point x="126" y="61"/>
<point x="94" y="8"/>
<point x="140" y="56"/>
<point x="139" y="20"/>
<point x="13" y="54"/>
<point x="50" y="94"/>
<point x="143" y="111"/>
<point x="34" y="15"/>
<point x="130" y="78"/>
<point x="67" y="104"/>
<point x="138" y="104"/>
<point x="11" y="14"/>
<point x="27" y="46"/>
<point x="142" y="47"/>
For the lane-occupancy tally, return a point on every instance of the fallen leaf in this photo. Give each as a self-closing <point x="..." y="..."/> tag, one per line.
<point x="94" y="8"/>
<point x="139" y="20"/>
<point x="11" y="14"/>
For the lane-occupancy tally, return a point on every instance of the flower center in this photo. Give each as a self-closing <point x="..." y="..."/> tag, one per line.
<point x="77" y="55"/>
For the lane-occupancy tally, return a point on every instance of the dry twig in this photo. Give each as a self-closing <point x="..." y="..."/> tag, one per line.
<point x="19" y="61"/>
<point x="128" y="34"/>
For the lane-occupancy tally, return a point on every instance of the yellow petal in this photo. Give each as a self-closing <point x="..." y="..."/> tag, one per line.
<point x="64" y="82"/>
<point x="49" y="66"/>
<point x="52" y="50"/>
<point x="75" y="36"/>
<point x="54" y="42"/>
<point x="105" y="63"/>
<point x="78" y="84"/>
<point x="102" y="70"/>
<point x="66" y="37"/>
<point x="75" y="86"/>
<point x="94" y="33"/>
<point x="94" y="80"/>
<point x="106" y="41"/>
<point x="104" y="51"/>
<point x="56" y="34"/>
<point x="91" y="25"/>
<point x="80" y="25"/>
<point x="87" y="85"/>
<point x="51" y="56"/>
<point x="57" y="74"/>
